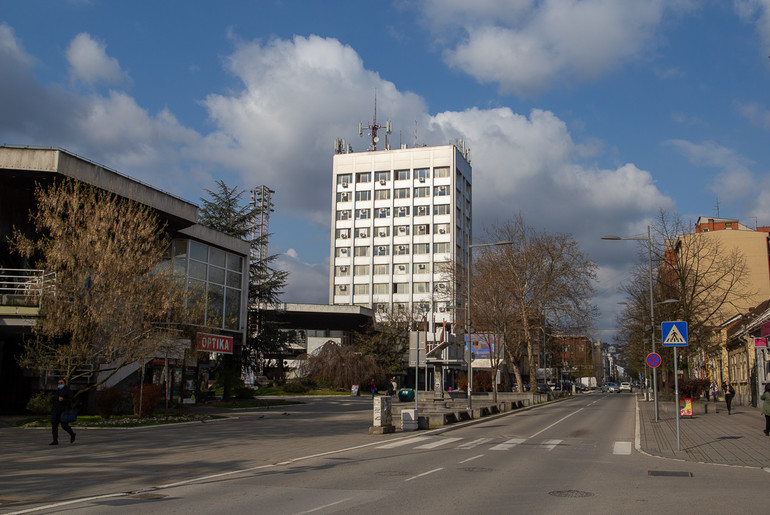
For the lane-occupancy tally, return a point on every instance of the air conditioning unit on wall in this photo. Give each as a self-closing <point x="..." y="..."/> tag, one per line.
<point x="383" y="233"/>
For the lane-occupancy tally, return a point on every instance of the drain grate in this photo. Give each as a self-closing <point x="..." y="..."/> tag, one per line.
<point x="668" y="473"/>
<point x="570" y="493"/>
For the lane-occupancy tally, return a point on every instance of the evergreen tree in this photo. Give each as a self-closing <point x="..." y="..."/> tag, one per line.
<point x="226" y="212"/>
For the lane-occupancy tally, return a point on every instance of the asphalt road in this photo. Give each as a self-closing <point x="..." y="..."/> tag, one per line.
<point x="574" y="456"/>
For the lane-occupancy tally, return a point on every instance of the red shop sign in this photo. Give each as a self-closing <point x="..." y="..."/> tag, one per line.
<point x="214" y="343"/>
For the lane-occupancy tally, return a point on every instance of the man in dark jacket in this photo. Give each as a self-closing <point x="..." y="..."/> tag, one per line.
<point x="62" y="400"/>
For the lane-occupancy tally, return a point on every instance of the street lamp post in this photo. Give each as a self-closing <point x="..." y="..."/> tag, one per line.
<point x="468" y="310"/>
<point x="652" y="309"/>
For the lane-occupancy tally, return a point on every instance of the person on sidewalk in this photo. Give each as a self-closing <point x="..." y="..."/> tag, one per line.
<point x="61" y="400"/>
<point x="766" y="408"/>
<point x="373" y="386"/>
<point x="729" y="394"/>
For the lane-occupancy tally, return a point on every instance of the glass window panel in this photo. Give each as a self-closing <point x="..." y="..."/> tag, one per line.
<point x="442" y="171"/>
<point x="361" y="289"/>
<point x="381" y="194"/>
<point x="364" y="177"/>
<point x="180" y="248"/>
<point x="344" y="178"/>
<point x="216" y="275"/>
<point x="401" y="174"/>
<point x="422" y="173"/>
<point x="217" y="257"/>
<point x="401" y="193"/>
<point x="234" y="279"/>
<point x="364" y="195"/>
<point x="196" y="301"/>
<point x="215" y="305"/>
<point x="362" y="251"/>
<point x="381" y="269"/>
<point x="421" y="287"/>
<point x="234" y="262"/>
<point x="232" y="309"/>
<point x="197" y="270"/>
<point x="343" y="196"/>
<point x="362" y="270"/>
<point x="381" y="288"/>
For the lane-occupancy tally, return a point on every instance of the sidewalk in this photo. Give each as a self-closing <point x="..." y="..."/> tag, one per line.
<point x="736" y="439"/>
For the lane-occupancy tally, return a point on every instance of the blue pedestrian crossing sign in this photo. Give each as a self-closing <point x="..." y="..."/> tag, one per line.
<point x="674" y="334"/>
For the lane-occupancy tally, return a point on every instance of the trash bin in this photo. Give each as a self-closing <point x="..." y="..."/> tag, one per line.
<point x="406" y="394"/>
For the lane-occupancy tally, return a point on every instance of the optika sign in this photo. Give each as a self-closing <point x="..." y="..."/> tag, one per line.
<point x="214" y="343"/>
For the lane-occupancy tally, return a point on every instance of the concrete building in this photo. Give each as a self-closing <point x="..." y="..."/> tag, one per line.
<point x="210" y="260"/>
<point x="400" y="223"/>
<point x="400" y="220"/>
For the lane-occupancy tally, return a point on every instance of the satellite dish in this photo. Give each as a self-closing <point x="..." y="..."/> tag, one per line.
<point x="376" y="139"/>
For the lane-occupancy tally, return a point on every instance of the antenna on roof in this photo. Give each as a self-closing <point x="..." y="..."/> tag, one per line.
<point x="717" y="206"/>
<point x="373" y="128"/>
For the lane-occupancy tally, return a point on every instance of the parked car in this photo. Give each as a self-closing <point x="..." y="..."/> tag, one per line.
<point x="625" y="387"/>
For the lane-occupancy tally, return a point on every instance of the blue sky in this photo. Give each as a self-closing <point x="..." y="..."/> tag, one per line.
<point x="588" y="116"/>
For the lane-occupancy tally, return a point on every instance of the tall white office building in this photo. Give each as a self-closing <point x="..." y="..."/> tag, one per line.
<point x="399" y="217"/>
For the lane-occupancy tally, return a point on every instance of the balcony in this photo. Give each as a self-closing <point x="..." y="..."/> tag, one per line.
<point x="21" y="290"/>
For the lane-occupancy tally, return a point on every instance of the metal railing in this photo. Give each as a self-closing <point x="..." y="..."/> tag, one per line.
<point x="24" y="286"/>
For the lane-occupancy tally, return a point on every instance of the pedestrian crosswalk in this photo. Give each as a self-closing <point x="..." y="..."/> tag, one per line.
<point x="439" y="442"/>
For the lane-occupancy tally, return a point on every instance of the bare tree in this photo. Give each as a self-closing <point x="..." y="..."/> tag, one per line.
<point x="540" y="272"/>
<point x="114" y="295"/>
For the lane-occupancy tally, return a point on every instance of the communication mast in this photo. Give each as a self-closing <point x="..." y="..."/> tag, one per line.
<point x="374" y="127"/>
<point x="261" y="201"/>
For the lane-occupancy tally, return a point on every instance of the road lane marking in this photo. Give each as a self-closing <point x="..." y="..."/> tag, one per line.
<point x="474" y="443"/>
<point x="325" y="506"/>
<point x="399" y="443"/>
<point x="508" y="444"/>
<point x="621" y="448"/>
<point x="424" y="474"/>
<point x="550" y="444"/>
<point x="560" y="420"/>
<point x="438" y="443"/>
<point x="471" y="459"/>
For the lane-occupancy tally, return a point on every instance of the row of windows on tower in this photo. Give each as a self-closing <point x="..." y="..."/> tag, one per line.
<point x="399" y="212"/>
<point x="388" y="288"/>
<point x="397" y="250"/>
<point x="419" y="192"/>
<point x="398" y="230"/>
<point x="399" y="175"/>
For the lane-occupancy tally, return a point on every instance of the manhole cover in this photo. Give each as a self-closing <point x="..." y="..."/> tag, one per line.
<point x="570" y="493"/>
<point x="477" y="469"/>
<point x="392" y="473"/>
<point x="668" y="473"/>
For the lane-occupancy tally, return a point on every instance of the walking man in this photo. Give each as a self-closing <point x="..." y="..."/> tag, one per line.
<point x="62" y="400"/>
<point x="729" y="394"/>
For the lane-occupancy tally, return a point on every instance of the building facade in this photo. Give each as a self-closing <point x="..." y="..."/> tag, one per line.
<point x="400" y="221"/>
<point x="210" y="261"/>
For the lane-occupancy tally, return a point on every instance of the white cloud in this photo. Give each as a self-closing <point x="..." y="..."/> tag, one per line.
<point x="756" y="12"/>
<point x="734" y="181"/>
<point x="755" y="114"/>
<point x="90" y="63"/>
<point x="527" y="46"/>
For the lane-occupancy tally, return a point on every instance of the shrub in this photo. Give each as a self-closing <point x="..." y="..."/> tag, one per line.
<point x="295" y="387"/>
<point x="150" y="397"/>
<point x="243" y="392"/>
<point x="693" y="388"/>
<point x="106" y="399"/>
<point x="40" y="403"/>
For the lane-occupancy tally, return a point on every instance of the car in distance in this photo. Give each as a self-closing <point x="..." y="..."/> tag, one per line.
<point x="625" y="387"/>
<point x="611" y="388"/>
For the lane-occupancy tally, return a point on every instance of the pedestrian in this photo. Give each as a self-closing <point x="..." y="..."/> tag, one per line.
<point x="766" y="408"/>
<point x="61" y="401"/>
<point x="729" y="394"/>
<point x="373" y="386"/>
<point x="394" y="384"/>
<point x="714" y="390"/>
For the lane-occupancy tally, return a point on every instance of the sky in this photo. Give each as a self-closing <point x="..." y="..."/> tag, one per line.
<point x="589" y="117"/>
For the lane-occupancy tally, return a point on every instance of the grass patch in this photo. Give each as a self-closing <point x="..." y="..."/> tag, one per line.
<point x="121" y="421"/>
<point x="279" y="391"/>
